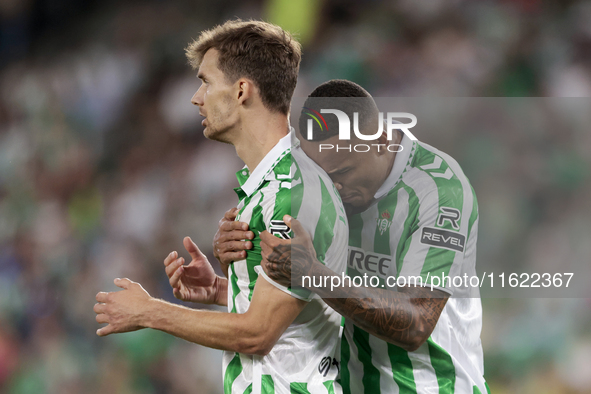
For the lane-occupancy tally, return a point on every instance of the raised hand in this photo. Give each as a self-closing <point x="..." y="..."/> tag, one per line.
<point x="285" y="261"/>
<point x="196" y="281"/>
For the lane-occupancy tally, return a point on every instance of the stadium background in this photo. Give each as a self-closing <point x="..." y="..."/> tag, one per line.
<point x="104" y="169"/>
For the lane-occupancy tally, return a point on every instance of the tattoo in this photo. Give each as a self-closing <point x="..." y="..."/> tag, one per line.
<point x="405" y="318"/>
<point x="290" y="262"/>
<point x="280" y="264"/>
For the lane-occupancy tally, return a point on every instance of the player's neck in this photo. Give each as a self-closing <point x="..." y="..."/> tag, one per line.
<point x="258" y="136"/>
<point x="385" y="165"/>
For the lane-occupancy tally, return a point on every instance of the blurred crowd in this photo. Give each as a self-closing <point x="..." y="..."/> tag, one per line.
<point x="104" y="169"/>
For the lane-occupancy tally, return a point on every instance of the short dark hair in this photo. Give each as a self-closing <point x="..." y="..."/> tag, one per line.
<point x="340" y="94"/>
<point x="339" y="88"/>
<point x="258" y="50"/>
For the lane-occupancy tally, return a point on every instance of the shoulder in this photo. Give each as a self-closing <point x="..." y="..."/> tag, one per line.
<point x="296" y="174"/>
<point x="435" y="175"/>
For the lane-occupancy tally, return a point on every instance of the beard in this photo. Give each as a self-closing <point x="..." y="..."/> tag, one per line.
<point x="351" y="210"/>
<point x="217" y="130"/>
<point x="215" y="134"/>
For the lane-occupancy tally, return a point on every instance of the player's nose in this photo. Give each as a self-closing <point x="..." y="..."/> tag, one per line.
<point x="197" y="99"/>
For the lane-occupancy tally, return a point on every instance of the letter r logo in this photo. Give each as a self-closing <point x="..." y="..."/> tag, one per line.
<point x="452" y="215"/>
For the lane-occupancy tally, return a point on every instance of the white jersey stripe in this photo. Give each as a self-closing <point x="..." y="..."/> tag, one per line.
<point x="425" y="378"/>
<point x="398" y="219"/>
<point x="309" y="216"/>
<point x="368" y="234"/>
<point x="419" y="181"/>
<point x="468" y="201"/>
<point x="245" y="378"/>
<point x="355" y="366"/>
<point x="381" y="360"/>
<point x="240" y="267"/>
<point x="268" y="201"/>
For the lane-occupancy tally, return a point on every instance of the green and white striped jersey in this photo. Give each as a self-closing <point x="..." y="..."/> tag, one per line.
<point x="424" y="223"/>
<point x="306" y="357"/>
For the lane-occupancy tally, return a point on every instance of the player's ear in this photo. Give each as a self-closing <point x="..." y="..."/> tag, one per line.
<point x="383" y="139"/>
<point x="245" y="90"/>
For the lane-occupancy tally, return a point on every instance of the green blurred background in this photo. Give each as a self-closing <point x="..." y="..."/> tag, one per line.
<point x="104" y="169"/>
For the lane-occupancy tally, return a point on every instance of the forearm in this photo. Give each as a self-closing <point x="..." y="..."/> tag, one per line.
<point x="218" y="330"/>
<point x="403" y="319"/>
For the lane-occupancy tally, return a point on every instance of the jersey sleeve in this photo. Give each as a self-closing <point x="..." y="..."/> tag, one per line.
<point x="435" y="249"/>
<point x="315" y="203"/>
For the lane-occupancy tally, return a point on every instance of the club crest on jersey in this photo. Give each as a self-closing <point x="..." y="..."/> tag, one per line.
<point x="384" y="222"/>
<point x="279" y="227"/>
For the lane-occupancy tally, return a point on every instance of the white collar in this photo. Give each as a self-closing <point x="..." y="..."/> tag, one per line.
<point x="400" y="163"/>
<point x="267" y="164"/>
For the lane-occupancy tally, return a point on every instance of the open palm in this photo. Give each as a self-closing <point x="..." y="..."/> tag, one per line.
<point x="196" y="281"/>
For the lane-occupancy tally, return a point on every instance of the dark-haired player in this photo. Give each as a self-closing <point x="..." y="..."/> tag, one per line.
<point x="414" y="215"/>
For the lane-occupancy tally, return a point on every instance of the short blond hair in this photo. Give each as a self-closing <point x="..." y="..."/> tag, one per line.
<point x="260" y="51"/>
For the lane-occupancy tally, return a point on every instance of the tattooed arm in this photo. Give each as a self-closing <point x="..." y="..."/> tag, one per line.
<point x="405" y="317"/>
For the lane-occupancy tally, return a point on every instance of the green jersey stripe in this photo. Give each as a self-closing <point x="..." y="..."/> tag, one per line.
<point x="232" y="371"/>
<point x="329" y="386"/>
<point x="437" y="263"/>
<point x="355" y="228"/>
<point x="399" y="230"/>
<point x="371" y="375"/>
<point x="368" y="233"/>
<point x="283" y="166"/>
<point x="312" y="192"/>
<point x="267" y="385"/>
<point x="402" y="369"/>
<point x="355" y="366"/>
<point x="443" y="366"/>
<point x="416" y="254"/>
<point x="423" y="371"/>
<point x="323" y="239"/>
<point x="235" y="289"/>
<point x="253" y="256"/>
<point x="409" y="227"/>
<point x="381" y="242"/>
<point x="381" y="361"/>
<point x="345" y="378"/>
<point x="240" y="269"/>
<point x="298" y="388"/>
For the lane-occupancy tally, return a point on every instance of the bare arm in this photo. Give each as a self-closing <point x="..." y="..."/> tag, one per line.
<point x="255" y="332"/>
<point x="405" y="318"/>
